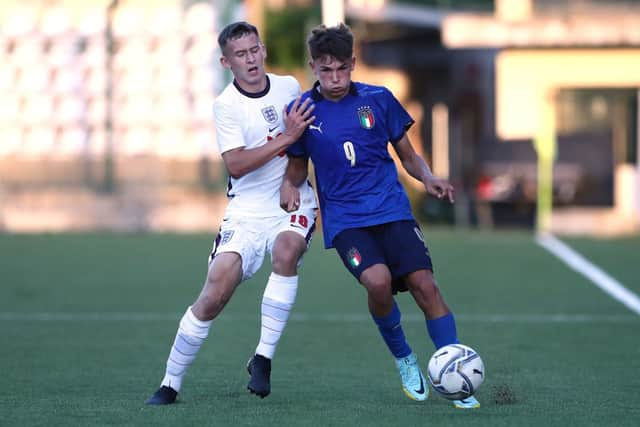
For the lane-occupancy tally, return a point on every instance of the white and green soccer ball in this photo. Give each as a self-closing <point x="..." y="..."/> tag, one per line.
<point x="455" y="371"/>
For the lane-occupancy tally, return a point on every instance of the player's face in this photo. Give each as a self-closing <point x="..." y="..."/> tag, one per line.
<point x="334" y="76"/>
<point x="245" y="56"/>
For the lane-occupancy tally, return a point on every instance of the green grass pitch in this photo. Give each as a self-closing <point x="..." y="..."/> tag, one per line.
<point x="87" y="320"/>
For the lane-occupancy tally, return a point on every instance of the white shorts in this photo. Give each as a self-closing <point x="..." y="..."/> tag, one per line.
<point x="252" y="238"/>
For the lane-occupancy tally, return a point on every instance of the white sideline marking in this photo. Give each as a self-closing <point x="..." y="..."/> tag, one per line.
<point x="308" y="317"/>
<point x="580" y="264"/>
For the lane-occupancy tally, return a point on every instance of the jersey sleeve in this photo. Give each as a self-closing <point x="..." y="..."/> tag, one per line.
<point x="298" y="148"/>
<point x="397" y="119"/>
<point x="228" y="131"/>
<point x="297" y="90"/>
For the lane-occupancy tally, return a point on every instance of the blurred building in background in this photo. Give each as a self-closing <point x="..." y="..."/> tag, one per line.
<point x="106" y="106"/>
<point x="106" y="114"/>
<point x="516" y="93"/>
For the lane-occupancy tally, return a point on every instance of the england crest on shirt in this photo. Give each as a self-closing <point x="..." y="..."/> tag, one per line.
<point x="365" y="115"/>
<point x="270" y="114"/>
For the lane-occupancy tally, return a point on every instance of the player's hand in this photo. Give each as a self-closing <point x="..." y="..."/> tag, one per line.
<point x="441" y="188"/>
<point x="289" y="197"/>
<point x="298" y="118"/>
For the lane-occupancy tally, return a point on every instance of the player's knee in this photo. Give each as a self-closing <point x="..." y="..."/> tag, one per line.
<point x="213" y="298"/>
<point x="285" y="256"/>
<point x="379" y="288"/>
<point x="426" y="285"/>
<point x="210" y="307"/>
<point x="377" y="280"/>
<point x="284" y="260"/>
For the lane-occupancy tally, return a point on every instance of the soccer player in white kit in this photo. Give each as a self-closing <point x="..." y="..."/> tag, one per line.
<point x="253" y="131"/>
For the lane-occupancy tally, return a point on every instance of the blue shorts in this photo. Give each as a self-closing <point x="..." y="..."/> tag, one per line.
<point x="399" y="245"/>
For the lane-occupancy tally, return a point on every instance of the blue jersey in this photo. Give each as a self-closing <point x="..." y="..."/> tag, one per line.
<point x="356" y="177"/>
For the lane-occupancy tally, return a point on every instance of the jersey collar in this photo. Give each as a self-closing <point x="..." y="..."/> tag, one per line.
<point x="317" y="96"/>
<point x="254" y="94"/>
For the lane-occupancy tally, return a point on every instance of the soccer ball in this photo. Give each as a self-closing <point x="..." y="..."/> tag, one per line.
<point x="455" y="371"/>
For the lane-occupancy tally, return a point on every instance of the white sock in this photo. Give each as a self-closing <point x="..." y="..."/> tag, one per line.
<point x="190" y="336"/>
<point x="277" y="301"/>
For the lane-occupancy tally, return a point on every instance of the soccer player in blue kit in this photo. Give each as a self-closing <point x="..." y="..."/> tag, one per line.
<point x="365" y="211"/>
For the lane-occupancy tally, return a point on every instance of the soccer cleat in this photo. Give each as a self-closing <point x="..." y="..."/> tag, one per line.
<point x="414" y="384"/>
<point x="163" y="396"/>
<point x="259" y="368"/>
<point x="468" y="403"/>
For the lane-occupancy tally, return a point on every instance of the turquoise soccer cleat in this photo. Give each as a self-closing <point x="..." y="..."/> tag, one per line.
<point x="468" y="403"/>
<point x="414" y="384"/>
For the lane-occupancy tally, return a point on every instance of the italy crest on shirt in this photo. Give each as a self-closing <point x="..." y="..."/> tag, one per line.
<point x="365" y="115"/>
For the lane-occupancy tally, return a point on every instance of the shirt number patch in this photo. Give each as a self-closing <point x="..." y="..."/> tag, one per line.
<point x="350" y="152"/>
<point x="300" y="219"/>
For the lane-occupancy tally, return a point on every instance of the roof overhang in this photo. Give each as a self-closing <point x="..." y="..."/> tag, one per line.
<point x="383" y="12"/>
<point x="463" y="30"/>
<point x="476" y="31"/>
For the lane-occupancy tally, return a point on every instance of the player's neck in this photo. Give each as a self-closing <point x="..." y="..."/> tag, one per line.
<point x="332" y="97"/>
<point x="251" y="87"/>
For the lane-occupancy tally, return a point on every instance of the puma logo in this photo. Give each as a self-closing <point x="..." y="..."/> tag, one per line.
<point x="318" y="128"/>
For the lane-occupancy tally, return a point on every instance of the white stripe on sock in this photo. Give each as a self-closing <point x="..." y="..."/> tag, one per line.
<point x="277" y="301"/>
<point x="191" y="334"/>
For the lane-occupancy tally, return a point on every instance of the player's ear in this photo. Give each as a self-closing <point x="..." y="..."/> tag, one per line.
<point x="353" y="62"/>
<point x="225" y="63"/>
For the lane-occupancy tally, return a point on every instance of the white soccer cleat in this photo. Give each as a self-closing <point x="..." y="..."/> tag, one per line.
<point x="414" y="383"/>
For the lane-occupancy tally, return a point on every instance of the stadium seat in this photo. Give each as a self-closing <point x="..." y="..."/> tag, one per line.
<point x="11" y="137"/>
<point x="39" y="141"/>
<point x="38" y="110"/>
<point x="70" y="110"/>
<point x="96" y="111"/>
<point x="72" y="142"/>
<point x="200" y="18"/>
<point x="135" y="141"/>
<point x="55" y="21"/>
<point x="21" y="20"/>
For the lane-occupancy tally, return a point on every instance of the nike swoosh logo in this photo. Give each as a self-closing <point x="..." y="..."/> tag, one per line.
<point x="271" y="130"/>
<point x="421" y="390"/>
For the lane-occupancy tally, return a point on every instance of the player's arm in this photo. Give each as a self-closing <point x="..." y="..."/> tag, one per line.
<point x="295" y="175"/>
<point x="240" y="161"/>
<point x="418" y="168"/>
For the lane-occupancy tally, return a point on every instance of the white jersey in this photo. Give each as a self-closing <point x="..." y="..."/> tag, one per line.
<point x="250" y="120"/>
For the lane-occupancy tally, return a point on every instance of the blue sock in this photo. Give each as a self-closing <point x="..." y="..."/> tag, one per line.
<point x="392" y="333"/>
<point x="443" y="330"/>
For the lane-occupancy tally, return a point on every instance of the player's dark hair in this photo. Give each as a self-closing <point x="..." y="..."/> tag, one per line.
<point x="235" y="31"/>
<point x="331" y="41"/>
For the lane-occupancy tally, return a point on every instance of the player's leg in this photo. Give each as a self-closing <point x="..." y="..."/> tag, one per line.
<point x="440" y="321"/>
<point x="223" y="276"/>
<point x="422" y="285"/>
<point x="362" y="255"/>
<point x="386" y="314"/>
<point x="410" y="261"/>
<point x="290" y="241"/>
